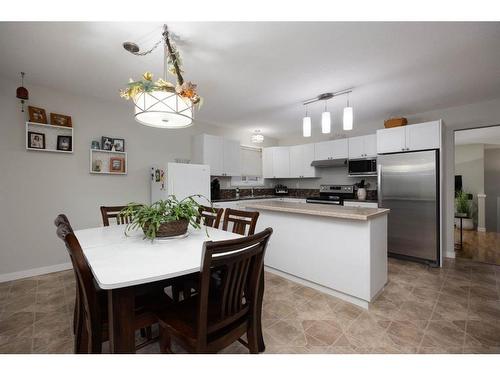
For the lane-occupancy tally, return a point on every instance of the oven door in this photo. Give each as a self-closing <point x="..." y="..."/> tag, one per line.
<point x="362" y="167"/>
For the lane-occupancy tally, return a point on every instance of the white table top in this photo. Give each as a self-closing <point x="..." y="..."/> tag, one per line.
<point x="118" y="261"/>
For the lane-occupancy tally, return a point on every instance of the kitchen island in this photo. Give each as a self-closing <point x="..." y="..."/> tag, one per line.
<point x="338" y="250"/>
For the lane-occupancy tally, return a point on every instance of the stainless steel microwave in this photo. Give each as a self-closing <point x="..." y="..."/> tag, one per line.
<point x="365" y="167"/>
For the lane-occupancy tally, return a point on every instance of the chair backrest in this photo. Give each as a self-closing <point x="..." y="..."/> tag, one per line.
<point x="211" y="216"/>
<point x="240" y="221"/>
<point x="84" y="278"/>
<point x="113" y="212"/>
<point x="239" y="263"/>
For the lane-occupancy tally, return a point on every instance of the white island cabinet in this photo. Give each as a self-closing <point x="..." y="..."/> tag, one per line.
<point x="338" y="250"/>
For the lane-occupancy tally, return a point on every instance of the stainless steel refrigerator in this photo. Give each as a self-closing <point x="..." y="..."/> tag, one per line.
<point x="408" y="184"/>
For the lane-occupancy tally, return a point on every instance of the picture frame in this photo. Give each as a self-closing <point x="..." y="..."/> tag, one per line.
<point x="36" y="140"/>
<point x="60" y="120"/>
<point x="119" y="144"/>
<point x="95" y="145"/>
<point x="106" y="143"/>
<point x="64" y="143"/>
<point x="37" y="115"/>
<point x="117" y="165"/>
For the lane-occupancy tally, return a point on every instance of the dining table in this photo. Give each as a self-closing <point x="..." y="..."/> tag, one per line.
<point x="124" y="263"/>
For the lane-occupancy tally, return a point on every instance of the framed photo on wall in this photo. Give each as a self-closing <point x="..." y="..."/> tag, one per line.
<point x="106" y="143"/>
<point x="119" y="144"/>
<point x="37" y="115"/>
<point x="36" y="140"/>
<point x="117" y="165"/>
<point x="64" y="143"/>
<point x="60" y="120"/>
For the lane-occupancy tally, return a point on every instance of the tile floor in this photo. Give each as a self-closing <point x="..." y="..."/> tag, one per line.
<point x="455" y="309"/>
<point x="479" y="246"/>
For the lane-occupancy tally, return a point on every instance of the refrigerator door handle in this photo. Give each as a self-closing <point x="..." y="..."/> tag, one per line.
<point x="379" y="184"/>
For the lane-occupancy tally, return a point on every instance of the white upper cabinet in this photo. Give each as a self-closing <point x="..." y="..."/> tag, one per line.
<point x="301" y="157"/>
<point x="409" y="138"/>
<point x="391" y="140"/>
<point x="281" y="162"/>
<point x="370" y="145"/>
<point x="267" y="162"/>
<point x="363" y="146"/>
<point x="223" y="155"/>
<point x="423" y="136"/>
<point x="336" y="149"/>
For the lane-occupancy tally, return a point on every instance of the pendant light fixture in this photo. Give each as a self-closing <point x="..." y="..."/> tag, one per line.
<point x="306" y="125"/>
<point x="257" y="137"/>
<point x="326" y="124"/>
<point x="348" y="116"/>
<point x="326" y="119"/>
<point x="162" y="104"/>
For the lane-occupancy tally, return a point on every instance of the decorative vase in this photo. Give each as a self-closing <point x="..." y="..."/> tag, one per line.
<point x="171" y="229"/>
<point x="361" y="194"/>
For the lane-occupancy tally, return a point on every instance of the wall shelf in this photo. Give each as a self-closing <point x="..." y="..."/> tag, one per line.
<point x="50" y="133"/>
<point x="105" y="157"/>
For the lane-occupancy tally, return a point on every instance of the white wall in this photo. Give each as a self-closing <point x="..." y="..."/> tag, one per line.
<point x="455" y="118"/>
<point x="36" y="186"/>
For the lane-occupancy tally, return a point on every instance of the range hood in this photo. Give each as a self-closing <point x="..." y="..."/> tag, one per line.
<point x="329" y="163"/>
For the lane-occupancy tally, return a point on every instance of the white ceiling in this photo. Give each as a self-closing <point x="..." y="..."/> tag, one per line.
<point x="255" y="75"/>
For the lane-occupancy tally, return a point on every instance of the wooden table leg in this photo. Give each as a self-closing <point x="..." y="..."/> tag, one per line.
<point x="121" y="320"/>
<point x="260" y="297"/>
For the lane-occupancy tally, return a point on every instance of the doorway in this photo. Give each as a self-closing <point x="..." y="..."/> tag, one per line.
<point x="477" y="194"/>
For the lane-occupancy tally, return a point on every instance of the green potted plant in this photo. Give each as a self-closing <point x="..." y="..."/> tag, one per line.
<point x="463" y="207"/>
<point x="165" y="218"/>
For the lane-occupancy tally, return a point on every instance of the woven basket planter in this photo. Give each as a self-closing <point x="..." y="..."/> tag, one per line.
<point x="171" y="229"/>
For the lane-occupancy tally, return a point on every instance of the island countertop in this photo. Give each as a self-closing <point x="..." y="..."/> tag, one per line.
<point x="334" y="211"/>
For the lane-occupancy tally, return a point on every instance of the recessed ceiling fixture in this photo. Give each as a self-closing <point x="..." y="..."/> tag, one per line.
<point x="326" y="123"/>
<point x="306" y="125"/>
<point x="257" y="137"/>
<point x="162" y="104"/>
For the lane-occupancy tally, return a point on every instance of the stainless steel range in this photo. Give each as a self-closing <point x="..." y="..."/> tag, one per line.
<point x="333" y="194"/>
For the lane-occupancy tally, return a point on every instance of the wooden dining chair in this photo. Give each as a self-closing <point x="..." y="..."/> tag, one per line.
<point x="220" y="314"/>
<point x="91" y="325"/>
<point x="240" y="221"/>
<point x="113" y="212"/>
<point x="211" y="216"/>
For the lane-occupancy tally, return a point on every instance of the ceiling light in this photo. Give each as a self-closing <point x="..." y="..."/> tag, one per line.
<point x="325" y="121"/>
<point x="162" y="104"/>
<point x="257" y="137"/>
<point x="348" y="116"/>
<point x="306" y="126"/>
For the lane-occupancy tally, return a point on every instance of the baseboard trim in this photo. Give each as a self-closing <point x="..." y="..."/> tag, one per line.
<point x="450" y="254"/>
<point x="335" y="293"/>
<point x="480" y="229"/>
<point x="34" y="272"/>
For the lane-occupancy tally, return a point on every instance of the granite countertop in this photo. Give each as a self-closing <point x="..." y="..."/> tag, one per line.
<point x="340" y="212"/>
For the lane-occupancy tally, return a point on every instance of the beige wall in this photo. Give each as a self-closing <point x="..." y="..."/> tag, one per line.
<point x="36" y="186"/>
